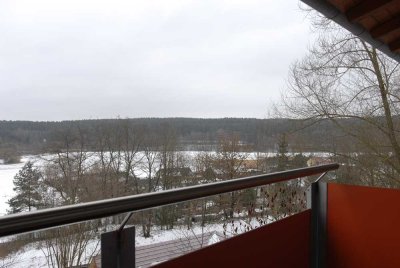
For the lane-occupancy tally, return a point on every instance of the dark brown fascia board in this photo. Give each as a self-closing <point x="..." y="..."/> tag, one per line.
<point x="365" y="8"/>
<point x="395" y="45"/>
<point x="386" y="27"/>
<point x="331" y="12"/>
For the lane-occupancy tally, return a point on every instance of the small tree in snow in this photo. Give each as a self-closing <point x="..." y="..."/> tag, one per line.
<point x="27" y="185"/>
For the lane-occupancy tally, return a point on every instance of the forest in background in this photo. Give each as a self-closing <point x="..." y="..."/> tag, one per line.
<point x="28" y="137"/>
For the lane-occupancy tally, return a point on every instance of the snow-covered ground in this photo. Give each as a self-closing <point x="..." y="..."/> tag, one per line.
<point x="182" y="232"/>
<point x="7" y="173"/>
<point x="31" y="256"/>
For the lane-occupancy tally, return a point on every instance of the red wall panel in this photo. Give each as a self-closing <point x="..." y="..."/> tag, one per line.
<point x="363" y="225"/>
<point x="282" y="244"/>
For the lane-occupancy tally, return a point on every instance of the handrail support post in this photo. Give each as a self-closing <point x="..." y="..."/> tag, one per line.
<point x="118" y="248"/>
<point x="319" y="192"/>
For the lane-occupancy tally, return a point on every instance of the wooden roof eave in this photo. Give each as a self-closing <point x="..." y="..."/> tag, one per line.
<point x="331" y="12"/>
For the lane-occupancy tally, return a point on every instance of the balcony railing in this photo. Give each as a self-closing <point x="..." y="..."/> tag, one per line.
<point x="119" y="244"/>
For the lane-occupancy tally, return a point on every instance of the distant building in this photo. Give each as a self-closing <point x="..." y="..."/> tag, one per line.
<point x="315" y="161"/>
<point x="250" y="166"/>
<point x="176" y="172"/>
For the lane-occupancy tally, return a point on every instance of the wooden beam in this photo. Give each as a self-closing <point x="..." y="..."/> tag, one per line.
<point x="395" y="45"/>
<point x="365" y="8"/>
<point x="386" y="27"/>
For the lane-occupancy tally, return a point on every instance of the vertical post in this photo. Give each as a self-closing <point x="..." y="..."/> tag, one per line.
<point x="318" y="224"/>
<point x="118" y="248"/>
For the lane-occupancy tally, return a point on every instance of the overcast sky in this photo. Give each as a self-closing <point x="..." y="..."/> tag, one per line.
<point x="84" y="59"/>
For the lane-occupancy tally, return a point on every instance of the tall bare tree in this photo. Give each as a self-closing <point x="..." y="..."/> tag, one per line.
<point x="230" y="157"/>
<point x="65" y="171"/>
<point x="149" y="165"/>
<point x="65" y="179"/>
<point x="166" y="216"/>
<point x="350" y="83"/>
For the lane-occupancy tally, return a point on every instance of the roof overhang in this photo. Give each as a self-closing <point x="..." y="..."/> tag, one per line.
<point x="375" y="21"/>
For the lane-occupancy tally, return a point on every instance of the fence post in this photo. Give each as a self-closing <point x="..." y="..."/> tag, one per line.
<point x="118" y="248"/>
<point x="318" y="224"/>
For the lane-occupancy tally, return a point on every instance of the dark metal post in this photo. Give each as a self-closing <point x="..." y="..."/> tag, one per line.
<point x="118" y="248"/>
<point x="318" y="224"/>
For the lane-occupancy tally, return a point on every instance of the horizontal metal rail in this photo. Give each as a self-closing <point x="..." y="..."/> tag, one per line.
<point x="52" y="217"/>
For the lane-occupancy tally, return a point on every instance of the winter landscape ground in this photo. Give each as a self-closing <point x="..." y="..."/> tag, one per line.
<point x="31" y="255"/>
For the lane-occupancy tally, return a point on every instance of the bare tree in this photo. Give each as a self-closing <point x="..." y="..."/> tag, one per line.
<point x="346" y="81"/>
<point x="150" y="164"/>
<point x="65" y="181"/>
<point x="64" y="173"/>
<point x="166" y="216"/>
<point x="131" y="141"/>
<point x="107" y="165"/>
<point x="69" y="246"/>
<point x="229" y="163"/>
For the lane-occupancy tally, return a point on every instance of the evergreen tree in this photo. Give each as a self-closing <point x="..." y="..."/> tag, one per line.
<point x="26" y="184"/>
<point x="283" y="160"/>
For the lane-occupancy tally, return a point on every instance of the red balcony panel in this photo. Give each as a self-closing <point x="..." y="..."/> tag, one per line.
<point x="285" y="243"/>
<point x="363" y="226"/>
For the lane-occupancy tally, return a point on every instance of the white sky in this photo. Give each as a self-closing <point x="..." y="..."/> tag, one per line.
<point x="77" y="59"/>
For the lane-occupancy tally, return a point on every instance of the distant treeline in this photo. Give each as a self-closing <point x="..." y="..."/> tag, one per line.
<point x="191" y="133"/>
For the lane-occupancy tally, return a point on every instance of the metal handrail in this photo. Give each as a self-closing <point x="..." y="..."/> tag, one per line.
<point x="53" y="217"/>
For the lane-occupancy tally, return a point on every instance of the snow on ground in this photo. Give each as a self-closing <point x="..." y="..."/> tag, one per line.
<point x="179" y="232"/>
<point x="182" y="232"/>
<point x="7" y="173"/>
<point x="31" y="256"/>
